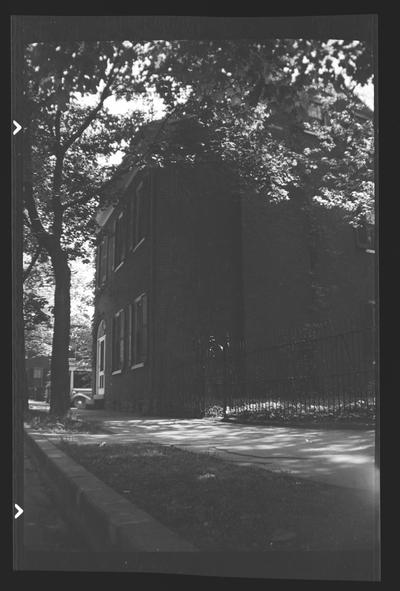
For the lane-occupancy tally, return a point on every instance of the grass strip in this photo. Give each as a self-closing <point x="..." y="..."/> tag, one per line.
<point x="42" y="420"/>
<point x="219" y="506"/>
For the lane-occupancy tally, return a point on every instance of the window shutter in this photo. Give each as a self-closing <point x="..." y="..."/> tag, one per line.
<point x="122" y="339"/>
<point x="98" y="265"/>
<point x="103" y="262"/>
<point x="114" y="341"/>
<point x="138" y="214"/>
<point x="131" y="221"/>
<point x="111" y="250"/>
<point x="135" y="333"/>
<point x="146" y="213"/>
<point x="144" y="327"/>
<point x="130" y="358"/>
<point x="122" y="236"/>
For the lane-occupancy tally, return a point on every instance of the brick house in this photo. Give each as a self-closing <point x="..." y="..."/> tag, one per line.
<point x="182" y="256"/>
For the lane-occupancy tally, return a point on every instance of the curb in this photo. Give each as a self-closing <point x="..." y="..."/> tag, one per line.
<point x="107" y="520"/>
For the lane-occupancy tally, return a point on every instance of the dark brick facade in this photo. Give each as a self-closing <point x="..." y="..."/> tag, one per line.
<point x="301" y="264"/>
<point x="214" y="262"/>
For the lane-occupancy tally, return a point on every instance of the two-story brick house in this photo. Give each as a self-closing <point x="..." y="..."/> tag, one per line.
<point x="183" y="256"/>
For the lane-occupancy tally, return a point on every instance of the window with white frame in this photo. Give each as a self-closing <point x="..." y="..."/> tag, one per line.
<point x="138" y="331"/>
<point x="120" y="240"/>
<point x="139" y="216"/>
<point x="118" y="337"/>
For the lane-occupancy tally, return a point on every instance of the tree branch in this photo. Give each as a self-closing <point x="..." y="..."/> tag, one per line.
<point x="43" y="237"/>
<point x="81" y="200"/>
<point x="34" y="258"/>
<point x="57" y="128"/>
<point x="158" y="133"/>
<point x="27" y="220"/>
<point x="93" y="114"/>
<point x="55" y="200"/>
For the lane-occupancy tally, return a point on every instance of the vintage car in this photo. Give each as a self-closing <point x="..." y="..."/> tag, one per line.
<point x="81" y="389"/>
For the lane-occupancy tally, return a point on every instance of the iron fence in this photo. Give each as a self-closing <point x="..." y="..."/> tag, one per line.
<point x="307" y="372"/>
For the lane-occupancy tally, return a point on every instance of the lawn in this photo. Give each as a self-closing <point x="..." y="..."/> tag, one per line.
<point x="220" y="506"/>
<point x="42" y="420"/>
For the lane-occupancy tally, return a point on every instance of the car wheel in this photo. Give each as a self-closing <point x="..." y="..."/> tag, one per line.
<point x="79" y="402"/>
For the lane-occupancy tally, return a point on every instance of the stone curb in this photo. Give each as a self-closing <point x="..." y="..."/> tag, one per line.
<point x="107" y="520"/>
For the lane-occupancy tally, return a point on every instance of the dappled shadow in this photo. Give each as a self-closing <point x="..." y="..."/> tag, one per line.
<point x="338" y="456"/>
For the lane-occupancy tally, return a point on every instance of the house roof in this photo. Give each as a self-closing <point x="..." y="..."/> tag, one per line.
<point x="176" y="132"/>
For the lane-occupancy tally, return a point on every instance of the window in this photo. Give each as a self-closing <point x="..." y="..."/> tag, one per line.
<point x="102" y="262"/>
<point x="118" y="341"/>
<point x="315" y="111"/>
<point x="38" y="373"/>
<point x="82" y="379"/>
<point x="138" y="331"/>
<point x="139" y="215"/>
<point x="101" y="357"/>
<point x="119" y="251"/>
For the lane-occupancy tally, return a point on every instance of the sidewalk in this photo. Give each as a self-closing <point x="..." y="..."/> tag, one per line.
<point x="342" y="457"/>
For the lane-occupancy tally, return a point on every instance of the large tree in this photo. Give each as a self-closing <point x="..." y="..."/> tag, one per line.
<point x="64" y="137"/>
<point x="39" y="309"/>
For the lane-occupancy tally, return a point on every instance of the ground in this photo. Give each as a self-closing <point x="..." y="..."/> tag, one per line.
<point x="219" y="506"/>
<point x="45" y="529"/>
<point x="316" y="489"/>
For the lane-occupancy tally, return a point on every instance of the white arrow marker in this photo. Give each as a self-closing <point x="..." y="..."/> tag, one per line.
<point x="19" y="511"/>
<point x="17" y="127"/>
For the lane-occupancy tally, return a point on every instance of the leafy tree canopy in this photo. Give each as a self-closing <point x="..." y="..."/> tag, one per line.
<point x="39" y="308"/>
<point x="243" y="92"/>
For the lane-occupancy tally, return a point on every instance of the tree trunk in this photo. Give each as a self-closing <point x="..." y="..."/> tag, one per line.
<point x="60" y="387"/>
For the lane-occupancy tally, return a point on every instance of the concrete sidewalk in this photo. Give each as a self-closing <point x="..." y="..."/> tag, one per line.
<point x="342" y="457"/>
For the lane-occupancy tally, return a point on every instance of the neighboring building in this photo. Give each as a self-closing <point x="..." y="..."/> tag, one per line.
<point x="37" y="372"/>
<point x="38" y="375"/>
<point x="182" y="256"/>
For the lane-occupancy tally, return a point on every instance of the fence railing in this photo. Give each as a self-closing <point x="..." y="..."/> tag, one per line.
<point x="312" y="372"/>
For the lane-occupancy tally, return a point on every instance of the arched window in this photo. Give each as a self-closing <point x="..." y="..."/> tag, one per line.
<point x="101" y="331"/>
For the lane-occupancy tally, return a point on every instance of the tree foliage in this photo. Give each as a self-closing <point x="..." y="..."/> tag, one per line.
<point x="39" y="309"/>
<point x="64" y="138"/>
<point x="244" y="93"/>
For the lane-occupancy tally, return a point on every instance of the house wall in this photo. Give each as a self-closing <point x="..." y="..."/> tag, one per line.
<point x="127" y="390"/>
<point x="300" y="265"/>
<point x="197" y="269"/>
<point x="190" y="268"/>
<point x="214" y="263"/>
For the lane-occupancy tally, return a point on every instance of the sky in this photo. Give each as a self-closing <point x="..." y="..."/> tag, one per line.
<point x="366" y="94"/>
<point x="121" y="106"/>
